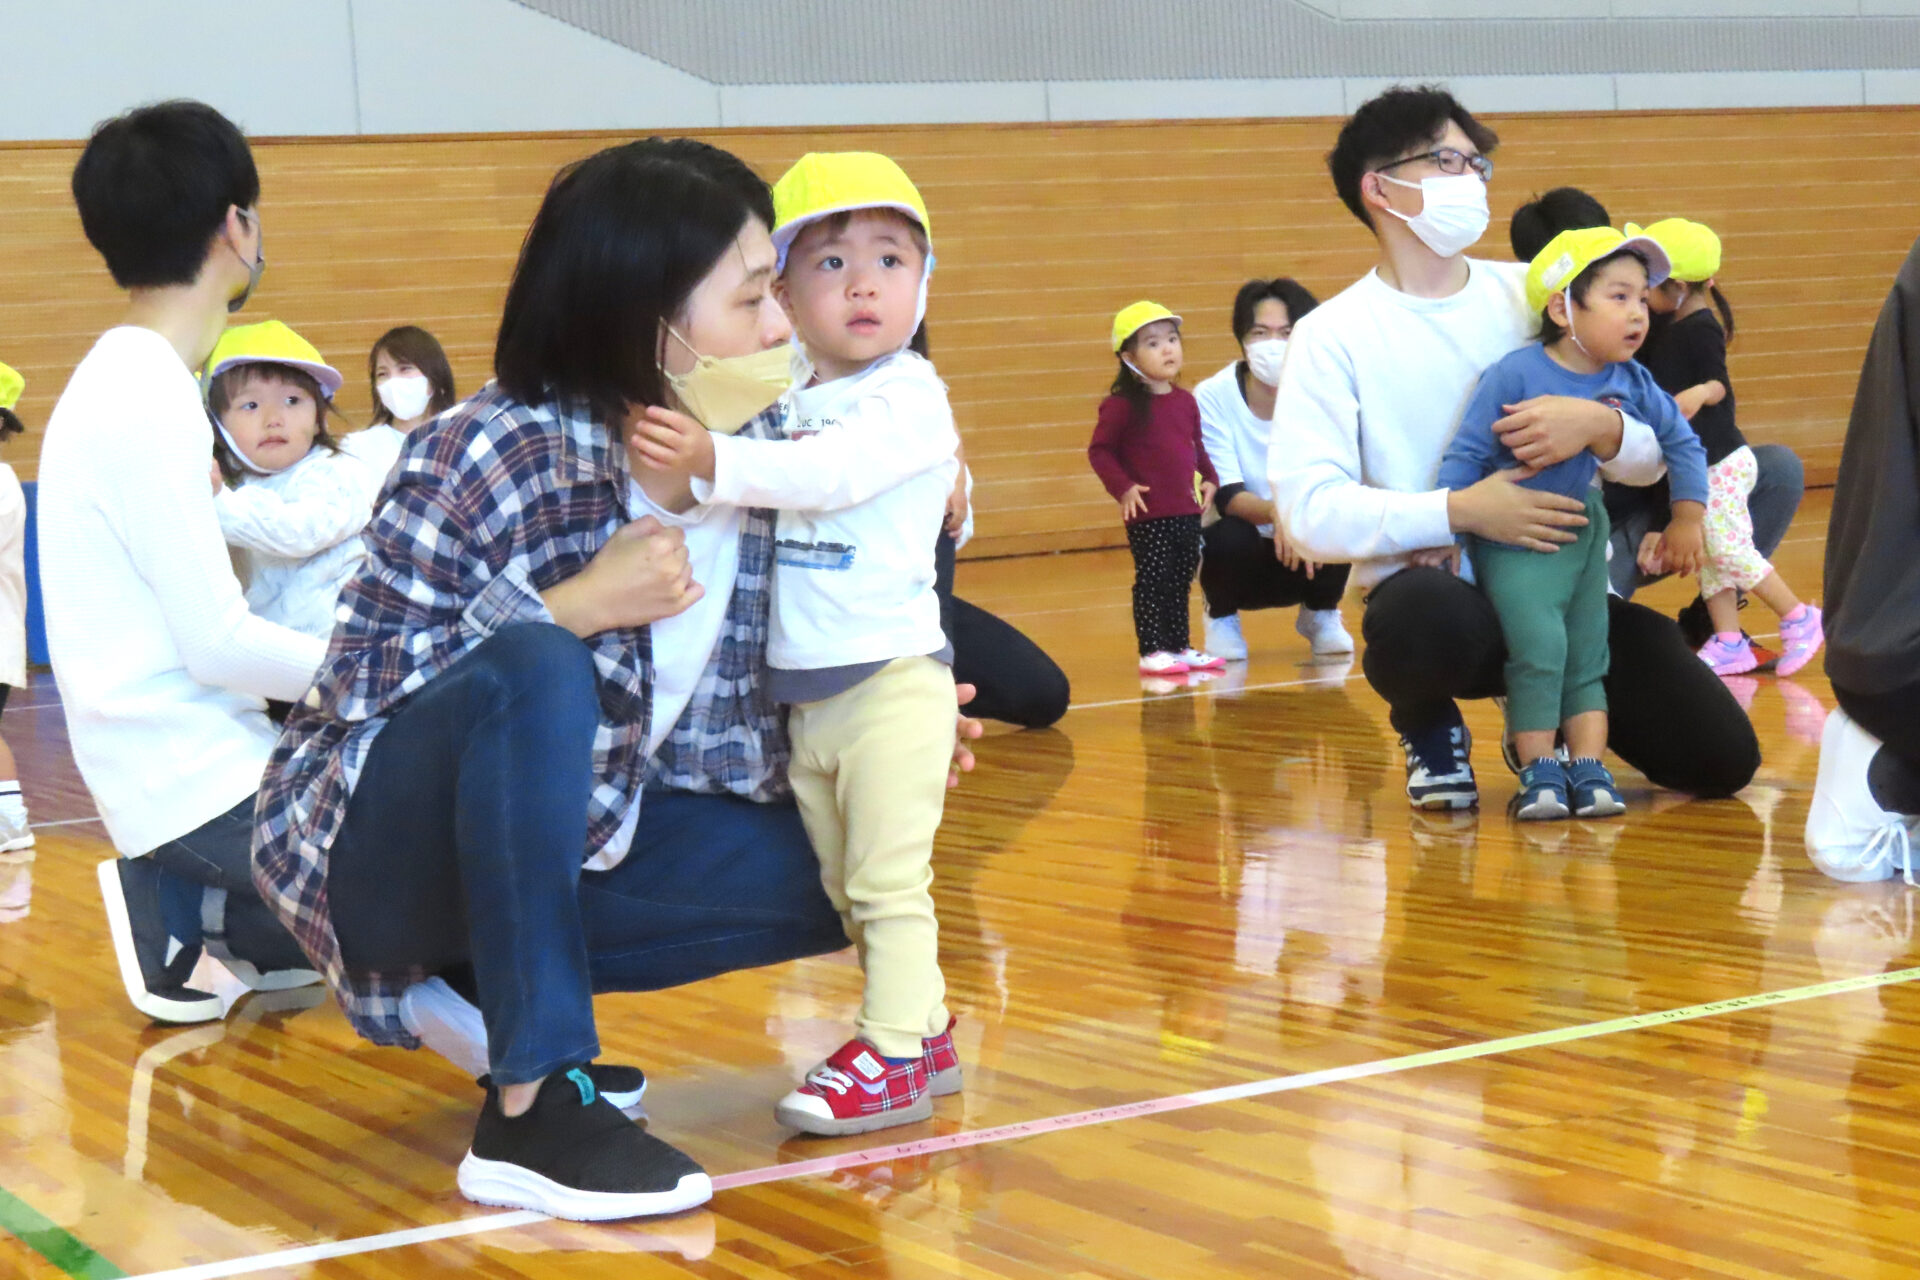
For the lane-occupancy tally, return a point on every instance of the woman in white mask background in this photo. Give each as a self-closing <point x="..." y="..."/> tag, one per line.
<point x="411" y="381"/>
<point x="1247" y="561"/>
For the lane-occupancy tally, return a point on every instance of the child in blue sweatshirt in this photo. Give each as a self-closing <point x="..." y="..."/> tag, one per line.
<point x="1590" y="287"/>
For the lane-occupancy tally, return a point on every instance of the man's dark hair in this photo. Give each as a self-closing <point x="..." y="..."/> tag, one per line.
<point x="619" y="243"/>
<point x="1288" y="292"/>
<point x="1400" y="122"/>
<point x="1540" y="219"/>
<point x="1577" y="292"/>
<point x="153" y="187"/>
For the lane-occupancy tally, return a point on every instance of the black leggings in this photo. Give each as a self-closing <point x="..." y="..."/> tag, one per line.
<point x="1166" y="552"/>
<point x="1239" y="571"/>
<point x="1894" y="718"/>
<point x="1431" y="638"/>
<point x="1013" y="678"/>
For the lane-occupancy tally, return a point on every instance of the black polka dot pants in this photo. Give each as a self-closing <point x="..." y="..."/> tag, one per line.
<point x="1166" y="553"/>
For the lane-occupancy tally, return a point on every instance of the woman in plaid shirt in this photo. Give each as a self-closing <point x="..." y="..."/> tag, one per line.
<point x="528" y="649"/>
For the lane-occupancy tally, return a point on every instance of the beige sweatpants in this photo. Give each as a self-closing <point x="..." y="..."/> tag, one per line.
<point x="870" y="772"/>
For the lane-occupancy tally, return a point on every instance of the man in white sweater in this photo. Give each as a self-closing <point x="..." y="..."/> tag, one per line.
<point x="1370" y="396"/>
<point x="162" y="670"/>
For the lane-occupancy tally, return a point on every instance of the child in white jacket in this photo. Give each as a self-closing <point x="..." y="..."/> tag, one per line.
<point x="298" y="502"/>
<point x="856" y="645"/>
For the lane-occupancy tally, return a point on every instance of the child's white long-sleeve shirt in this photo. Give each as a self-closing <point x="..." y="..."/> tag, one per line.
<point x="299" y="534"/>
<point x="861" y="484"/>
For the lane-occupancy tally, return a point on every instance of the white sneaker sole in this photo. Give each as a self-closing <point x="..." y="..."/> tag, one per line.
<point x="271" y="980"/>
<point x="120" y="927"/>
<point x="807" y="1121"/>
<point x="511" y="1186"/>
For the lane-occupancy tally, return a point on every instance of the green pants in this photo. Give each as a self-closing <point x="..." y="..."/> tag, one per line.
<point x="1553" y="613"/>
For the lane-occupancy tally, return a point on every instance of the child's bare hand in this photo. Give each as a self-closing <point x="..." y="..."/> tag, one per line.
<point x="1683" y="547"/>
<point x="957" y="507"/>
<point x="966" y="728"/>
<point x="664" y="440"/>
<point x="1649" y="558"/>
<point x="219" y="481"/>
<point x="1133" y="502"/>
<point x="1207" y="490"/>
<point x="1447" y="558"/>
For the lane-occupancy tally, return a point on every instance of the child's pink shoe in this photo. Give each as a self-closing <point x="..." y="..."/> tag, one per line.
<point x="1800" y="639"/>
<point x="1730" y="657"/>
<point x="1163" y="664"/>
<point x="1201" y="660"/>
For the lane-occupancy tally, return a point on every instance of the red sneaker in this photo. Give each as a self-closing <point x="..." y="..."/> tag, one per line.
<point x="943" y="1062"/>
<point x="856" y="1090"/>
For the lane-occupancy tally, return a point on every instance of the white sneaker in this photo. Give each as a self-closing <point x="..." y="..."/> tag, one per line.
<point x="1162" y="664"/>
<point x="1224" y="638"/>
<point x="447" y="1023"/>
<point x="1201" y="660"/>
<point x="1324" y="631"/>
<point x="1849" y="836"/>
<point x="16" y="837"/>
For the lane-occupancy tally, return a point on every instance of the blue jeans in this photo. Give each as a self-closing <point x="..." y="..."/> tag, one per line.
<point x="207" y="895"/>
<point x="463" y="843"/>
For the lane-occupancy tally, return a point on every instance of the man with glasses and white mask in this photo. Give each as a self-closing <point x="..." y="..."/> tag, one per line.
<point x="1371" y="393"/>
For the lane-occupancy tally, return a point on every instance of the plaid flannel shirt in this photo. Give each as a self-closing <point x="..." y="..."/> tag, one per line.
<point x="498" y="502"/>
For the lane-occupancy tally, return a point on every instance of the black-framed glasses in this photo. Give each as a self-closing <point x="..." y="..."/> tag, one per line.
<point x="1448" y="161"/>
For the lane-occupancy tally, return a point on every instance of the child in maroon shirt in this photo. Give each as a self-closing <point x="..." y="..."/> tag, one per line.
<point x="1148" y="453"/>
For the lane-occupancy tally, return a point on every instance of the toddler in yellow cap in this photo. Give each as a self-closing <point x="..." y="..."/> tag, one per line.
<point x="1686" y="351"/>
<point x="16" y="836"/>
<point x="1590" y="289"/>
<point x="295" y="502"/>
<point x="856" y="645"/>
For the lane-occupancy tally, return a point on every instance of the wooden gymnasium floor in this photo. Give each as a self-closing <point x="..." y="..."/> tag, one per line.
<point x="1212" y="890"/>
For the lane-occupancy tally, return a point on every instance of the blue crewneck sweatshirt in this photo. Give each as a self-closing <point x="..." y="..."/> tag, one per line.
<point x="1477" y="453"/>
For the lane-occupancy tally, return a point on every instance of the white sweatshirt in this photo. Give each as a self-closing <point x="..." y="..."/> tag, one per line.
<point x="379" y="447"/>
<point x="1236" y="440"/>
<point x="13" y="579"/>
<point x="861" y="485"/>
<point x="1371" y="394"/>
<point x="162" y="669"/>
<point x="299" y="535"/>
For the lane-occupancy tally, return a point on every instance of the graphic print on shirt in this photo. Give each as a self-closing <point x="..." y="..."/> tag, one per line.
<point x="797" y="547"/>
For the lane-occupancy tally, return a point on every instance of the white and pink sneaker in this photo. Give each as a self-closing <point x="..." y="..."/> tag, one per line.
<point x="1730" y="657"/>
<point x="1201" y="660"/>
<point x="1163" y="664"/>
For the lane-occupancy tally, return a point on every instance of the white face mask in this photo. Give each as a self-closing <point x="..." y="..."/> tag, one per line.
<point x="406" y="395"/>
<point x="1264" y="359"/>
<point x="1453" y="213"/>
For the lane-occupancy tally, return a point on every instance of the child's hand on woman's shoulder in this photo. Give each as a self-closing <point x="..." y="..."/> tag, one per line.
<point x="664" y="440"/>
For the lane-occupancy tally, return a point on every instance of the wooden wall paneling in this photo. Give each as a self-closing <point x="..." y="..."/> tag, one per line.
<point x="1043" y="231"/>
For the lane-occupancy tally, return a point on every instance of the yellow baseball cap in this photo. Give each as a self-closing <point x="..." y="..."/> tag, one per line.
<point x="11" y="385"/>
<point x="1571" y="252"/>
<point x="823" y="183"/>
<point x="1692" y="247"/>
<point x="1136" y="316"/>
<point x="271" y="342"/>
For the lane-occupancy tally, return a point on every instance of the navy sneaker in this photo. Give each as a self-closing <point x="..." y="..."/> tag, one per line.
<point x="1543" y="792"/>
<point x="1510" y="755"/>
<point x="1439" y="770"/>
<point x="1591" y="787"/>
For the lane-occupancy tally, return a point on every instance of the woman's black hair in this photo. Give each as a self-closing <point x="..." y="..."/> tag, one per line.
<point x="1389" y="126"/>
<point x="153" y="188"/>
<point x="410" y="344"/>
<point x="1725" y="309"/>
<point x="619" y="243"/>
<point x="1550" y="332"/>
<point x="220" y="397"/>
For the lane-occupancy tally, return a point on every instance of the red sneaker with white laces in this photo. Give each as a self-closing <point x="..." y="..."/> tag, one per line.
<point x="856" y="1090"/>
<point x="943" y="1062"/>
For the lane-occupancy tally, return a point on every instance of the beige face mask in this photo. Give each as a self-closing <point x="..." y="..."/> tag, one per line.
<point x="726" y="393"/>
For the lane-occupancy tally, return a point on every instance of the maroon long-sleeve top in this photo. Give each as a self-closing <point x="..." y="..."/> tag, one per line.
<point x="1161" y="453"/>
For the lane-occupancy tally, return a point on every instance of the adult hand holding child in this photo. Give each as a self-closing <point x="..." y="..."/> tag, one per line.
<point x="1500" y="509"/>
<point x="640" y="576"/>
